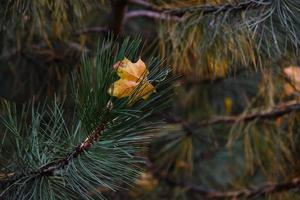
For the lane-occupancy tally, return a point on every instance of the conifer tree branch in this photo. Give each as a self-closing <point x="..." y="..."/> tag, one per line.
<point x="208" y="9"/>
<point x="177" y="14"/>
<point x="277" y="111"/>
<point x="190" y="80"/>
<point x="94" y="29"/>
<point x="143" y="3"/>
<point x="209" y="193"/>
<point x="119" y="8"/>
<point x="51" y="168"/>
<point x="151" y="14"/>
<point x="48" y="152"/>
<point x="268" y="114"/>
<point x="263" y="190"/>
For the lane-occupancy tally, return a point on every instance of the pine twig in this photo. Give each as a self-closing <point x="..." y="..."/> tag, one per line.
<point x="177" y="14"/>
<point x="266" y="189"/>
<point x="151" y="14"/>
<point x="208" y="9"/>
<point x="143" y="3"/>
<point x="51" y="168"/>
<point x="277" y="111"/>
<point x="195" y="80"/>
<point x="150" y="11"/>
<point x="95" y="29"/>
<point x="9" y="54"/>
<point x="209" y="193"/>
<point x="268" y="114"/>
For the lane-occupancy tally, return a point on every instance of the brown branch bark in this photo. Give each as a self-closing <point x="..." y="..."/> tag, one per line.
<point x="277" y="111"/>
<point x="195" y="80"/>
<point x="143" y="3"/>
<point x="119" y="8"/>
<point x="151" y="14"/>
<point x="177" y="14"/>
<point x="51" y="168"/>
<point x="208" y="9"/>
<point x="268" y="114"/>
<point x="209" y="193"/>
<point x="265" y="189"/>
<point x="150" y="11"/>
<point x="9" y="54"/>
<point x="95" y="29"/>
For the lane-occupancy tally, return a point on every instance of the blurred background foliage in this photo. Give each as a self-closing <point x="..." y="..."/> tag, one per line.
<point x="234" y="59"/>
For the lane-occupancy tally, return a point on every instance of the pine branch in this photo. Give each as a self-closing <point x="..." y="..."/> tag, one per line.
<point x="119" y="8"/>
<point x="152" y="11"/>
<point x="266" y="189"/>
<point x="194" y="80"/>
<point x="151" y="14"/>
<point x="209" y="9"/>
<point x="10" y="53"/>
<point x="143" y="3"/>
<point x="95" y="29"/>
<point x="177" y="14"/>
<point x="45" y="152"/>
<point x="51" y="168"/>
<point x="269" y="114"/>
<point x="277" y="111"/>
<point x="209" y="193"/>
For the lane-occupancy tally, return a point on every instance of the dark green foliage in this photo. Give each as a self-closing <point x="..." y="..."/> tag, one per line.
<point x="231" y="131"/>
<point x="52" y="136"/>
